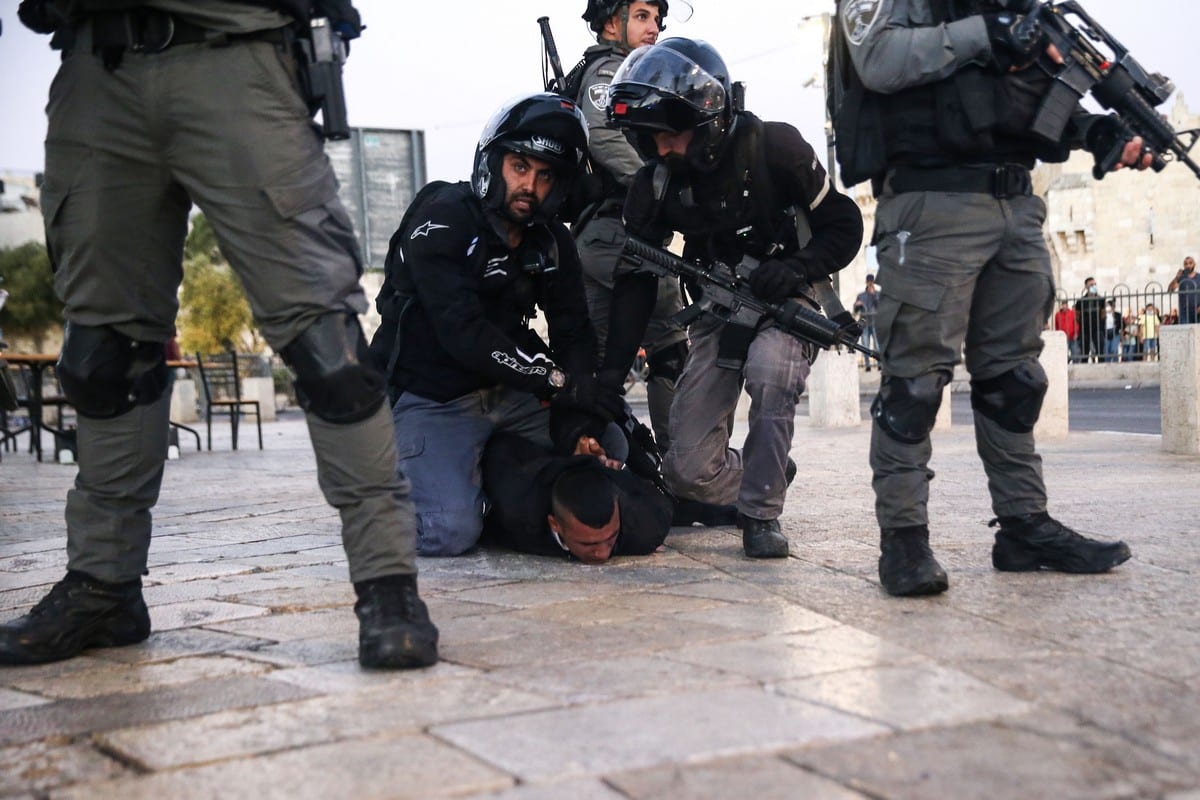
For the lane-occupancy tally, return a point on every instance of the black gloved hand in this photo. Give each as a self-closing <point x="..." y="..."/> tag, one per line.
<point x="1105" y="140"/>
<point x="1016" y="42"/>
<point x="850" y="328"/>
<point x="588" y="393"/>
<point x="775" y="280"/>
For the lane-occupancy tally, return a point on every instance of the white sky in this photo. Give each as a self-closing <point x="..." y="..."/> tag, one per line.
<point x="445" y="66"/>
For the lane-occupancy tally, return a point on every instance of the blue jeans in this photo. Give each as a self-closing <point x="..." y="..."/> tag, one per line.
<point x="439" y="446"/>
<point x="1112" y="347"/>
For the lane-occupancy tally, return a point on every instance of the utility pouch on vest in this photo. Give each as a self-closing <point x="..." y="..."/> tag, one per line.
<point x="855" y="114"/>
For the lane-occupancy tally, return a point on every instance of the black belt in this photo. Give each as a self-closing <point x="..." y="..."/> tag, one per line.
<point x="148" y="30"/>
<point x="1002" y="180"/>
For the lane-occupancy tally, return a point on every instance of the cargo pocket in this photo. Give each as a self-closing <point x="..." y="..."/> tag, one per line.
<point x="308" y="197"/>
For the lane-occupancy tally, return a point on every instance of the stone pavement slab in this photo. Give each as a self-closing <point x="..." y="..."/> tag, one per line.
<point x="693" y="673"/>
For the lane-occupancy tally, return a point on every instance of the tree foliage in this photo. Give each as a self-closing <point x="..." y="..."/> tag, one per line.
<point x="32" y="310"/>
<point x="214" y="314"/>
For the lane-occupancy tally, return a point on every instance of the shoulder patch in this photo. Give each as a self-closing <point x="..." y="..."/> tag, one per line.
<point x="598" y="94"/>
<point x="858" y="17"/>
<point x="606" y="72"/>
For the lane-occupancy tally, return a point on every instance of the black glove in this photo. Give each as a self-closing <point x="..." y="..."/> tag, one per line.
<point x="586" y="392"/>
<point x="775" y="280"/>
<point x="1105" y="140"/>
<point x="1016" y="42"/>
<point x="850" y="328"/>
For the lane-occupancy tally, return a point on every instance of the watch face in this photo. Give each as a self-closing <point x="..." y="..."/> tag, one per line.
<point x="557" y="378"/>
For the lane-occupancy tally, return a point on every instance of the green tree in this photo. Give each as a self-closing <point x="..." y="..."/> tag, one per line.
<point x="32" y="309"/>
<point x="214" y="314"/>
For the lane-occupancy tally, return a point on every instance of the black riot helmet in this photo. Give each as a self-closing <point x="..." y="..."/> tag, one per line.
<point x="676" y="85"/>
<point x="545" y="126"/>
<point x="600" y="11"/>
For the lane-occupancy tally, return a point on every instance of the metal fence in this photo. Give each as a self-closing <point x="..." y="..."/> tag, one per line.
<point x="1138" y="317"/>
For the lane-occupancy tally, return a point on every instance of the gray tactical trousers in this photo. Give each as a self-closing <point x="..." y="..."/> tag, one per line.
<point x="127" y="152"/>
<point x="700" y="465"/>
<point x="959" y="268"/>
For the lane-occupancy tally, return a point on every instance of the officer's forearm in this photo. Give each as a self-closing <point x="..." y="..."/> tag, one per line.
<point x="633" y="300"/>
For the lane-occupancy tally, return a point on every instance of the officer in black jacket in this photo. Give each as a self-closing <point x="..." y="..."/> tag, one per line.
<point x="734" y="186"/>
<point x="467" y="275"/>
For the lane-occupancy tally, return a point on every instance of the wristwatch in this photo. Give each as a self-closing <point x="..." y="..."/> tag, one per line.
<point x="556" y="379"/>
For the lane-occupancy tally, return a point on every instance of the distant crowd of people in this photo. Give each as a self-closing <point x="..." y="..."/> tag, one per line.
<point x="1100" y="330"/>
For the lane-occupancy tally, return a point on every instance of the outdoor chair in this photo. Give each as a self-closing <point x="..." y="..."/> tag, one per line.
<point x="221" y="381"/>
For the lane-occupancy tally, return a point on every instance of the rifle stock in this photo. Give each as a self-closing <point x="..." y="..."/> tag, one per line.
<point x="727" y="296"/>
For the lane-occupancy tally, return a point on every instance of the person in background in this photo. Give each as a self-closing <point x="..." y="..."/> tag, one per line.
<point x="866" y="305"/>
<point x="1064" y="320"/>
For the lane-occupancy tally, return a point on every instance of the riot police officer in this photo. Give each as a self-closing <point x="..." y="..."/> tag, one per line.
<point x="157" y="105"/>
<point x="734" y="186"/>
<point x="621" y="26"/>
<point x="466" y="272"/>
<point x="933" y="102"/>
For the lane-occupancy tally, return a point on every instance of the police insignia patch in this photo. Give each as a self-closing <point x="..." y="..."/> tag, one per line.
<point x="858" y="17"/>
<point x="598" y="94"/>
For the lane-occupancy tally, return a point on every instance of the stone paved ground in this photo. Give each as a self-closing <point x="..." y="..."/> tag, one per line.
<point x="694" y="673"/>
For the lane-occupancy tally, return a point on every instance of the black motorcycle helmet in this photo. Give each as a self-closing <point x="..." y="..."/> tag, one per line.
<point x="600" y="11"/>
<point x="676" y="85"/>
<point x="544" y="125"/>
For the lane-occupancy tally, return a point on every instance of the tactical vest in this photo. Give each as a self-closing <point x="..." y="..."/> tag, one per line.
<point x="733" y="211"/>
<point x="974" y="116"/>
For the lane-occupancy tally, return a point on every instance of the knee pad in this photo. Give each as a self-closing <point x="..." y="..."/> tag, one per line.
<point x="668" y="362"/>
<point x="104" y="373"/>
<point x="1012" y="400"/>
<point x="335" y="376"/>
<point x="906" y="408"/>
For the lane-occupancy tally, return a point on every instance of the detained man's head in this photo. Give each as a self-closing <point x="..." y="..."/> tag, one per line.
<point x="584" y="515"/>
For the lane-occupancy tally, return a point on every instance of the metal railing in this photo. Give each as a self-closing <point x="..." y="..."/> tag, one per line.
<point x="1141" y="314"/>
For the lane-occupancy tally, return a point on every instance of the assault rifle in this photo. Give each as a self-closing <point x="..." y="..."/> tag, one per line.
<point x="727" y="296"/>
<point x="1116" y="80"/>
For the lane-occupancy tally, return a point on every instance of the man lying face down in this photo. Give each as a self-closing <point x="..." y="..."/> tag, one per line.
<point x="582" y="506"/>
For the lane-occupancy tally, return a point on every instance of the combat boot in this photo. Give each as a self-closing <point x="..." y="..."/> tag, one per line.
<point x="1038" y="541"/>
<point x="79" y="612"/>
<point x="762" y="538"/>
<point x="394" y="631"/>
<point x="907" y="567"/>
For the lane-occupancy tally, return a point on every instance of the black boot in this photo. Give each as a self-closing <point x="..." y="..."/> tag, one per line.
<point x="689" y="512"/>
<point x="761" y="538"/>
<point x="1038" y="541"/>
<point x="79" y="612"/>
<point x="907" y="567"/>
<point x="394" y="630"/>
